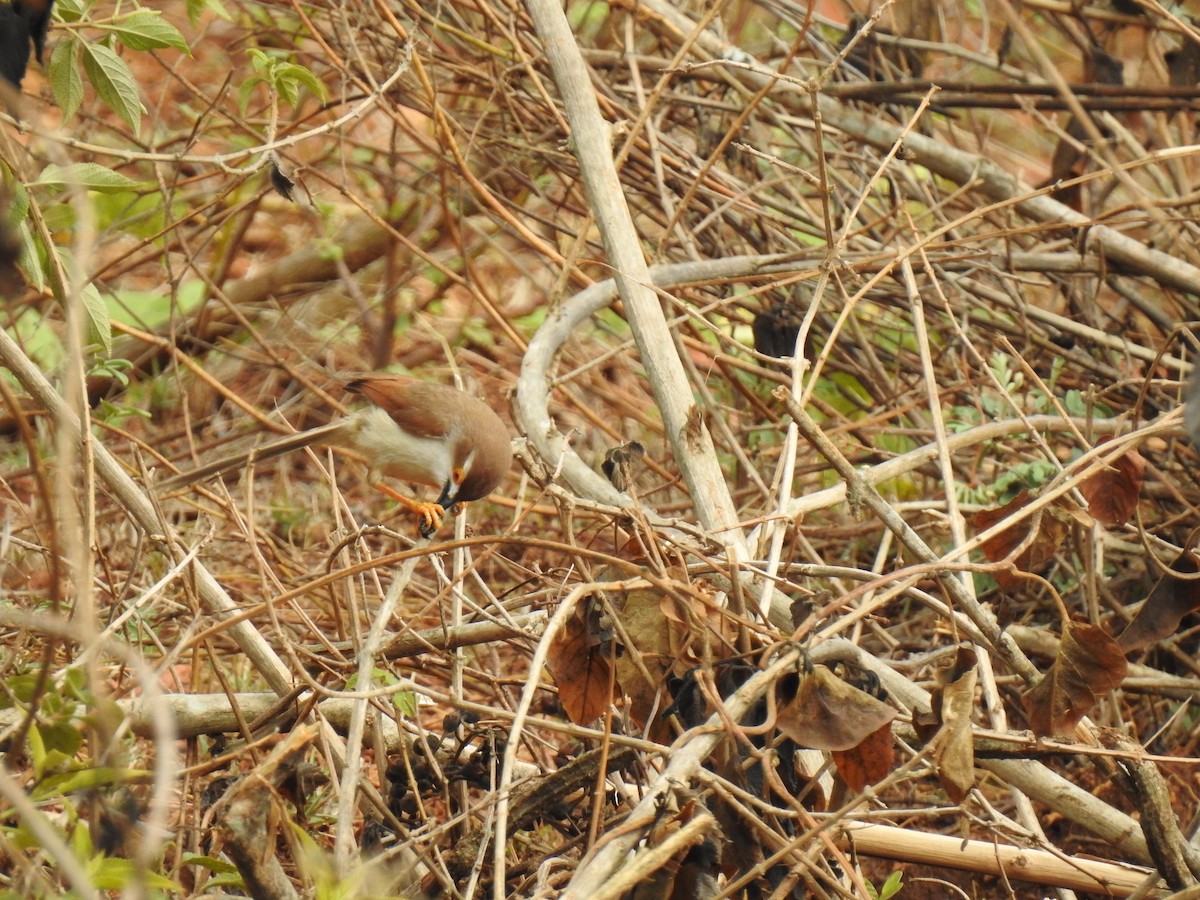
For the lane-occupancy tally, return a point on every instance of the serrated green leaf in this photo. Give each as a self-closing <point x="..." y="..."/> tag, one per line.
<point x="65" y="80"/>
<point x="196" y="7"/>
<point x="18" y="205"/>
<point x="145" y="29"/>
<point x="91" y="176"/>
<point x="113" y="82"/>
<point x="100" y="329"/>
<point x="298" y="75"/>
<point x="287" y="89"/>
<point x="69" y="10"/>
<point x="245" y="91"/>
<point x="209" y="862"/>
<point x="30" y="260"/>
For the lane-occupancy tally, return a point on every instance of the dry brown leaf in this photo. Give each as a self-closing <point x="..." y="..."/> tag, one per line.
<point x="1112" y="493"/>
<point x="1051" y="532"/>
<point x="1169" y="601"/>
<point x="826" y="713"/>
<point x="580" y="666"/>
<point x="668" y="632"/>
<point x="954" y="754"/>
<point x="949" y="723"/>
<point x="620" y="464"/>
<point x="1089" y="663"/>
<point x="869" y="762"/>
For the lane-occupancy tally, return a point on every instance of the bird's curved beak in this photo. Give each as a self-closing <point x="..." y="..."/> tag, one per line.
<point x="446" y="500"/>
<point x="449" y="496"/>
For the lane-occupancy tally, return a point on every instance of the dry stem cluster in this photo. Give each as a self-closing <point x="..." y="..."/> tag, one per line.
<point x="584" y="226"/>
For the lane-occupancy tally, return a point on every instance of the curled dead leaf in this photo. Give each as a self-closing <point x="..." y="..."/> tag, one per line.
<point x="619" y="463"/>
<point x="823" y="712"/>
<point x="1169" y="601"/>
<point x="579" y="661"/>
<point x="954" y="701"/>
<point x="1112" y="493"/>
<point x="1051" y="525"/>
<point x="1089" y="664"/>
<point x="869" y="762"/>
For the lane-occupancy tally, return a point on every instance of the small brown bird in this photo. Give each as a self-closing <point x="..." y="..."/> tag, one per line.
<point x="413" y="430"/>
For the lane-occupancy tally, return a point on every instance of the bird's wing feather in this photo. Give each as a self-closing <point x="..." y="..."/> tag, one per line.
<point x="412" y="403"/>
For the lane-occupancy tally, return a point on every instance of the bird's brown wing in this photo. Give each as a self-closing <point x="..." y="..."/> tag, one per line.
<point x="414" y="404"/>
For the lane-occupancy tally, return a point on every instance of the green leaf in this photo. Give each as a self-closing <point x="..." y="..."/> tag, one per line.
<point x="216" y="7"/>
<point x="63" y="738"/>
<point x="291" y="75"/>
<point x="82" y="779"/>
<point x="258" y="59"/>
<point x="91" y="176"/>
<point x="285" y="78"/>
<point x="892" y="886"/>
<point x="406" y="704"/>
<point x="246" y="90"/>
<point x="145" y="29"/>
<point x="30" y="261"/>
<point x="286" y="88"/>
<point x="97" y="310"/>
<point x="81" y="841"/>
<point x="65" y="80"/>
<point x="209" y="862"/>
<point x="113" y="82"/>
<point x="114" y="874"/>
<point x="18" y="205"/>
<point x="476" y="331"/>
<point x="37" y="750"/>
<point x="69" y="10"/>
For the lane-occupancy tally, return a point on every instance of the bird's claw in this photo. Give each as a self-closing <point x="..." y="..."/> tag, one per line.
<point x="431" y="518"/>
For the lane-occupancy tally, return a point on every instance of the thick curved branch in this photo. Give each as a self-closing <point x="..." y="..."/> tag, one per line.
<point x="531" y="410"/>
<point x="591" y="140"/>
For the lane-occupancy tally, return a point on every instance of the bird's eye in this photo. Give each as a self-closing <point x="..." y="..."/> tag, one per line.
<point x="458" y="475"/>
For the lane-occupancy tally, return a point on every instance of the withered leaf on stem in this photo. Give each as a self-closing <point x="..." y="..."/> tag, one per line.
<point x="869" y="762"/>
<point x="1089" y="664"/>
<point x="658" y="641"/>
<point x="669" y="632"/>
<point x="1051" y="532"/>
<point x="1112" y="493"/>
<point x="1170" y="600"/>
<point x="619" y="462"/>
<point x="580" y="665"/>
<point x="953" y="702"/>
<point x="823" y="712"/>
<point x="283" y="185"/>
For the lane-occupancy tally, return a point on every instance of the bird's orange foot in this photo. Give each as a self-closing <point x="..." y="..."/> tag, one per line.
<point x="431" y="517"/>
<point x="431" y="513"/>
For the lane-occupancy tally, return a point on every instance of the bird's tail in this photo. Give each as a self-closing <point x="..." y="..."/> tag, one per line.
<point x="324" y="434"/>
